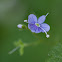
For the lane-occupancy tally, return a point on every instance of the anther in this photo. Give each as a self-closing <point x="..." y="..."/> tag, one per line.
<point x="25" y="20"/>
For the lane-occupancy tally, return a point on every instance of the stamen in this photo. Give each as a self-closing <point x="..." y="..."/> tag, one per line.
<point x="47" y="14"/>
<point x="25" y="20"/>
<point x="14" y="50"/>
<point x="45" y="33"/>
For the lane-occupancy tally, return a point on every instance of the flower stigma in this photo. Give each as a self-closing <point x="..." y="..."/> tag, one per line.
<point x="37" y="24"/>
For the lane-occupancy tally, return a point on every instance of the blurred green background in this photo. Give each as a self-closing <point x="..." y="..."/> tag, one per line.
<point x="12" y="13"/>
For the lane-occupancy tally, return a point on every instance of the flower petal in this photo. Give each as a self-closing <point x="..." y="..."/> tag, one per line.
<point x="45" y="26"/>
<point x="38" y="30"/>
<point x="32" y="19"/>
<point x="34" y="28"/>
<point x="41" y="19"/>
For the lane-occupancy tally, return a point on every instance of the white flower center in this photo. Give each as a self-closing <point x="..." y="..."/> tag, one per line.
<point x="37" y="24"/>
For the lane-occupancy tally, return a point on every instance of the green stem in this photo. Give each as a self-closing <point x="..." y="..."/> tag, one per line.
<point x="31" y="44"/>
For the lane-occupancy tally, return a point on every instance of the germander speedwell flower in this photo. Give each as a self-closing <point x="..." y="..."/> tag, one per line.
<point x="38" y="26"/>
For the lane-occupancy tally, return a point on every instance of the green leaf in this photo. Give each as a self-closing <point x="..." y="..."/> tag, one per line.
<point x="21" y="45"/>
<point x="55" y="55"/>
<point x="18" y="43"/>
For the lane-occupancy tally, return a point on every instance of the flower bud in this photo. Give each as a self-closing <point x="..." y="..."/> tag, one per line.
<point x="19" y="25"/>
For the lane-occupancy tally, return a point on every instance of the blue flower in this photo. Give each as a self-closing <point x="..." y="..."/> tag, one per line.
<point x="38" y="26"/>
